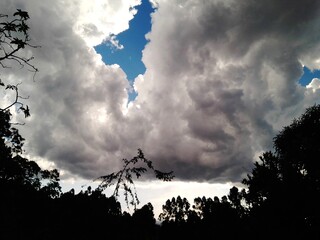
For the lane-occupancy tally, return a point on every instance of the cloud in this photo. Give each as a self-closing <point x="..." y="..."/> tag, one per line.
<point x="96" y="20"/>
<point x="221" y="81"/>
<point x="76" y="99"/>
<point x="314" y="84"/>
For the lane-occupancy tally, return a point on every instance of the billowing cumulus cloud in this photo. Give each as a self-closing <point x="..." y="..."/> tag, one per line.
<point x="76" y="100"/>
<point x="221" y="80"/>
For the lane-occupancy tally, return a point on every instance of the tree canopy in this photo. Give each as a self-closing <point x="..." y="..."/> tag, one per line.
<point x="284" y="187"/>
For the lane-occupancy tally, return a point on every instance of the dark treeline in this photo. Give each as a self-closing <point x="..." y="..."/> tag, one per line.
<point x="280" y="199"/>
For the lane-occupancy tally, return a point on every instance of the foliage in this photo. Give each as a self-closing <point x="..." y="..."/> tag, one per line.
<point x="16" y="170"/>
<point x="14" y="37"/>
<point x="124" y="177"/>
<point x="284" y="186"/>
<point x="208" y="218"/>
<point x="143" y="218"/>
<point x="176" y="210"/>
<point x="237" y="201"/>
<point x="297" y="148"/>
<point x="294" y="162"/>
<point x="263" y="180"/>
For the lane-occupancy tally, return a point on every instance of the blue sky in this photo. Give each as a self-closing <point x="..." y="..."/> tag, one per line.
<point x="308" y="75"/>
<point x="133" y="41"/>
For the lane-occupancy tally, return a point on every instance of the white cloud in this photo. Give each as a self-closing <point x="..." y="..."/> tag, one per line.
<point x="97" y="19"/>
<point x="113" y="42"/>
<point x="314" y="84"/>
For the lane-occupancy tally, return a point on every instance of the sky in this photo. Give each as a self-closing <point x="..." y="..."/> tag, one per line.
<point x="216" y="82"/>
<point x="125" y="49"/>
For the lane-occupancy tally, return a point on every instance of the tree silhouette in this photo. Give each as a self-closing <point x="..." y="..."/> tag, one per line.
<point x="284" y="187"/>
<point x="176" y="210"/>
<point x="236" y="199"/>
<point x="144" y="222"/>
<point x="124" y="177"/>
<point x="14" y="37"/>
<point x="208" y="218"/>
<point x="26" y="189"/>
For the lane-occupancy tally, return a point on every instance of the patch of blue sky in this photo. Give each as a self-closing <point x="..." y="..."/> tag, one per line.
<point x="308" y="75"/>
<point x="127" y="52"/>
<point x="125" y="49"/>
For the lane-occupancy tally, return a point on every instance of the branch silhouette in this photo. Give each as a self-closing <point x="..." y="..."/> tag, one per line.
<point x="123" y="179"/>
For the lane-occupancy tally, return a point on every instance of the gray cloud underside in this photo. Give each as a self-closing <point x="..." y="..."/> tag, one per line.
<point x="221" y="81"/>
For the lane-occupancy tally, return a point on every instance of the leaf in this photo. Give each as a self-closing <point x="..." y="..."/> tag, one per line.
<point x="23" y="14"/>
<point x="8" y="26"/>
<point x="26" y="112"/>
<point x="19" y="42"/>
<point x="23" y="27"/>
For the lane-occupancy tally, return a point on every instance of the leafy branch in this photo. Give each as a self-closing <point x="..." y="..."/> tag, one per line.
<point x="123" y="179"/>
<point x="14" y="37"/>
<point x="25" y="109"/>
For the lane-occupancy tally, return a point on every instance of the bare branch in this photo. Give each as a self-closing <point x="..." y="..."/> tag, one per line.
<point x="20" y="124"/>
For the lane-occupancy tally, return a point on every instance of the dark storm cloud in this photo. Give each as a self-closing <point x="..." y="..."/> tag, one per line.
<point x="231" y="69"/>
<point x="221" y="80"/>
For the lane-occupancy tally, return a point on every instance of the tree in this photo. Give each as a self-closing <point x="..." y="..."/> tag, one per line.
<point x="144" y="222"/>
<point x="284" y="187"/>
<point x="297" y="147"/>
<point x="209" y="217"/>
<point x="236" y="199"/>
<point x="177" y="219"/>
<point x="14" y="37"/>
<point x="176" y="210"/>
<point x="144" y="215"/>
<point x="124" y="178"/>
